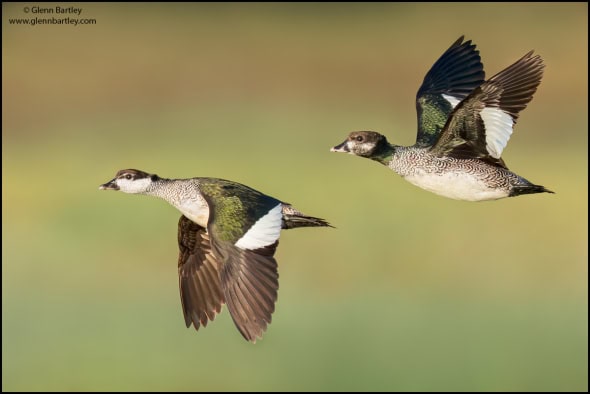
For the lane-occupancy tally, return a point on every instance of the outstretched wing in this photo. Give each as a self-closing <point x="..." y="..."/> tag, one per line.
<point x="452" y="78"/>
<point x="199" y="277"/>
<point x="481" y="125"/>
<point x="244" y="226"/>
<point x="250" y="282"/>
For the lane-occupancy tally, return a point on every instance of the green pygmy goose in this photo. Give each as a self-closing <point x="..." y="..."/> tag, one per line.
<point x="227" y="235"/>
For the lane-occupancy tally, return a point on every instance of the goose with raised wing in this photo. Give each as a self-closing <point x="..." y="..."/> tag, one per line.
<point x="464" y="124"/>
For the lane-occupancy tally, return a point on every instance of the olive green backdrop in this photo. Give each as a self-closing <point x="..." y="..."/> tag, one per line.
<point x="410" y="291"/>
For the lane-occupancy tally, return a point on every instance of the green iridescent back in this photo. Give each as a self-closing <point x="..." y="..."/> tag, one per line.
<point x="234" y="207"/>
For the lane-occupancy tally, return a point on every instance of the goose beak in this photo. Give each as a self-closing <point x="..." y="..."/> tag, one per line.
<point x="343" y="147"/>
<point x="110" y="185"/>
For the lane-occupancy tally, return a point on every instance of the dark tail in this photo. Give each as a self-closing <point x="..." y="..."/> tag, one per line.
<point x="300" y="220"/>
<point x="292" y="218"/>
<point x="528" y="189"/>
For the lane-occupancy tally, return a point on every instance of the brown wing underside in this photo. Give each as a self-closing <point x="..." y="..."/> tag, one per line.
<point x="198" y="271"/>
<point x="250" y="283"/>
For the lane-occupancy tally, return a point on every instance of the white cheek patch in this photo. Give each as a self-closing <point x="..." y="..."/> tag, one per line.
<point x="452" y="100"/>
<point x="366" y="147"/>
<point x="498" y="126"/>
<point x="350" y="147"/>
<point x="133" y="186"/>
<point x="264" y="232"/>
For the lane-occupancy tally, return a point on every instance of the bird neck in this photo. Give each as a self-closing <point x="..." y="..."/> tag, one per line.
<point x="384" y="153"/>
<point x="157" y="188"/>
<point x="184" y="195"/>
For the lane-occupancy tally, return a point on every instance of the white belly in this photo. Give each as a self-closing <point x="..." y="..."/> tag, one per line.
<point x="195" y="210"/>
<point x="458" y="186"/>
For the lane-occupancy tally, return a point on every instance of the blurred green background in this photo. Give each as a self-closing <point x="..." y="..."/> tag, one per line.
<point x="411" y="291"/>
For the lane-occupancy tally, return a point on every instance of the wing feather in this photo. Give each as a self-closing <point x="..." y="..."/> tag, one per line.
<point x="198" y="271"/>
<point x="481" y="125"/>
<point x="250" y="285"/>
<point x="452" y="78"/>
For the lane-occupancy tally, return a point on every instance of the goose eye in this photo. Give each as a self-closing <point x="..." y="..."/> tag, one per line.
<point x="359" y="138"/>
<point x="128" y="176"/>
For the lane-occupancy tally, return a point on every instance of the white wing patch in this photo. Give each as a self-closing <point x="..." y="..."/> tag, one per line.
<point x="498" y="126"/>
<point x="264" y="232"/>
<point x="452" y="100"/>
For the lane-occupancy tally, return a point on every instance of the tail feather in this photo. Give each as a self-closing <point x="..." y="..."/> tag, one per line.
<point x="528" y="189"/>
<point x="300" y="220"/>
<point x="292" y="218"/>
